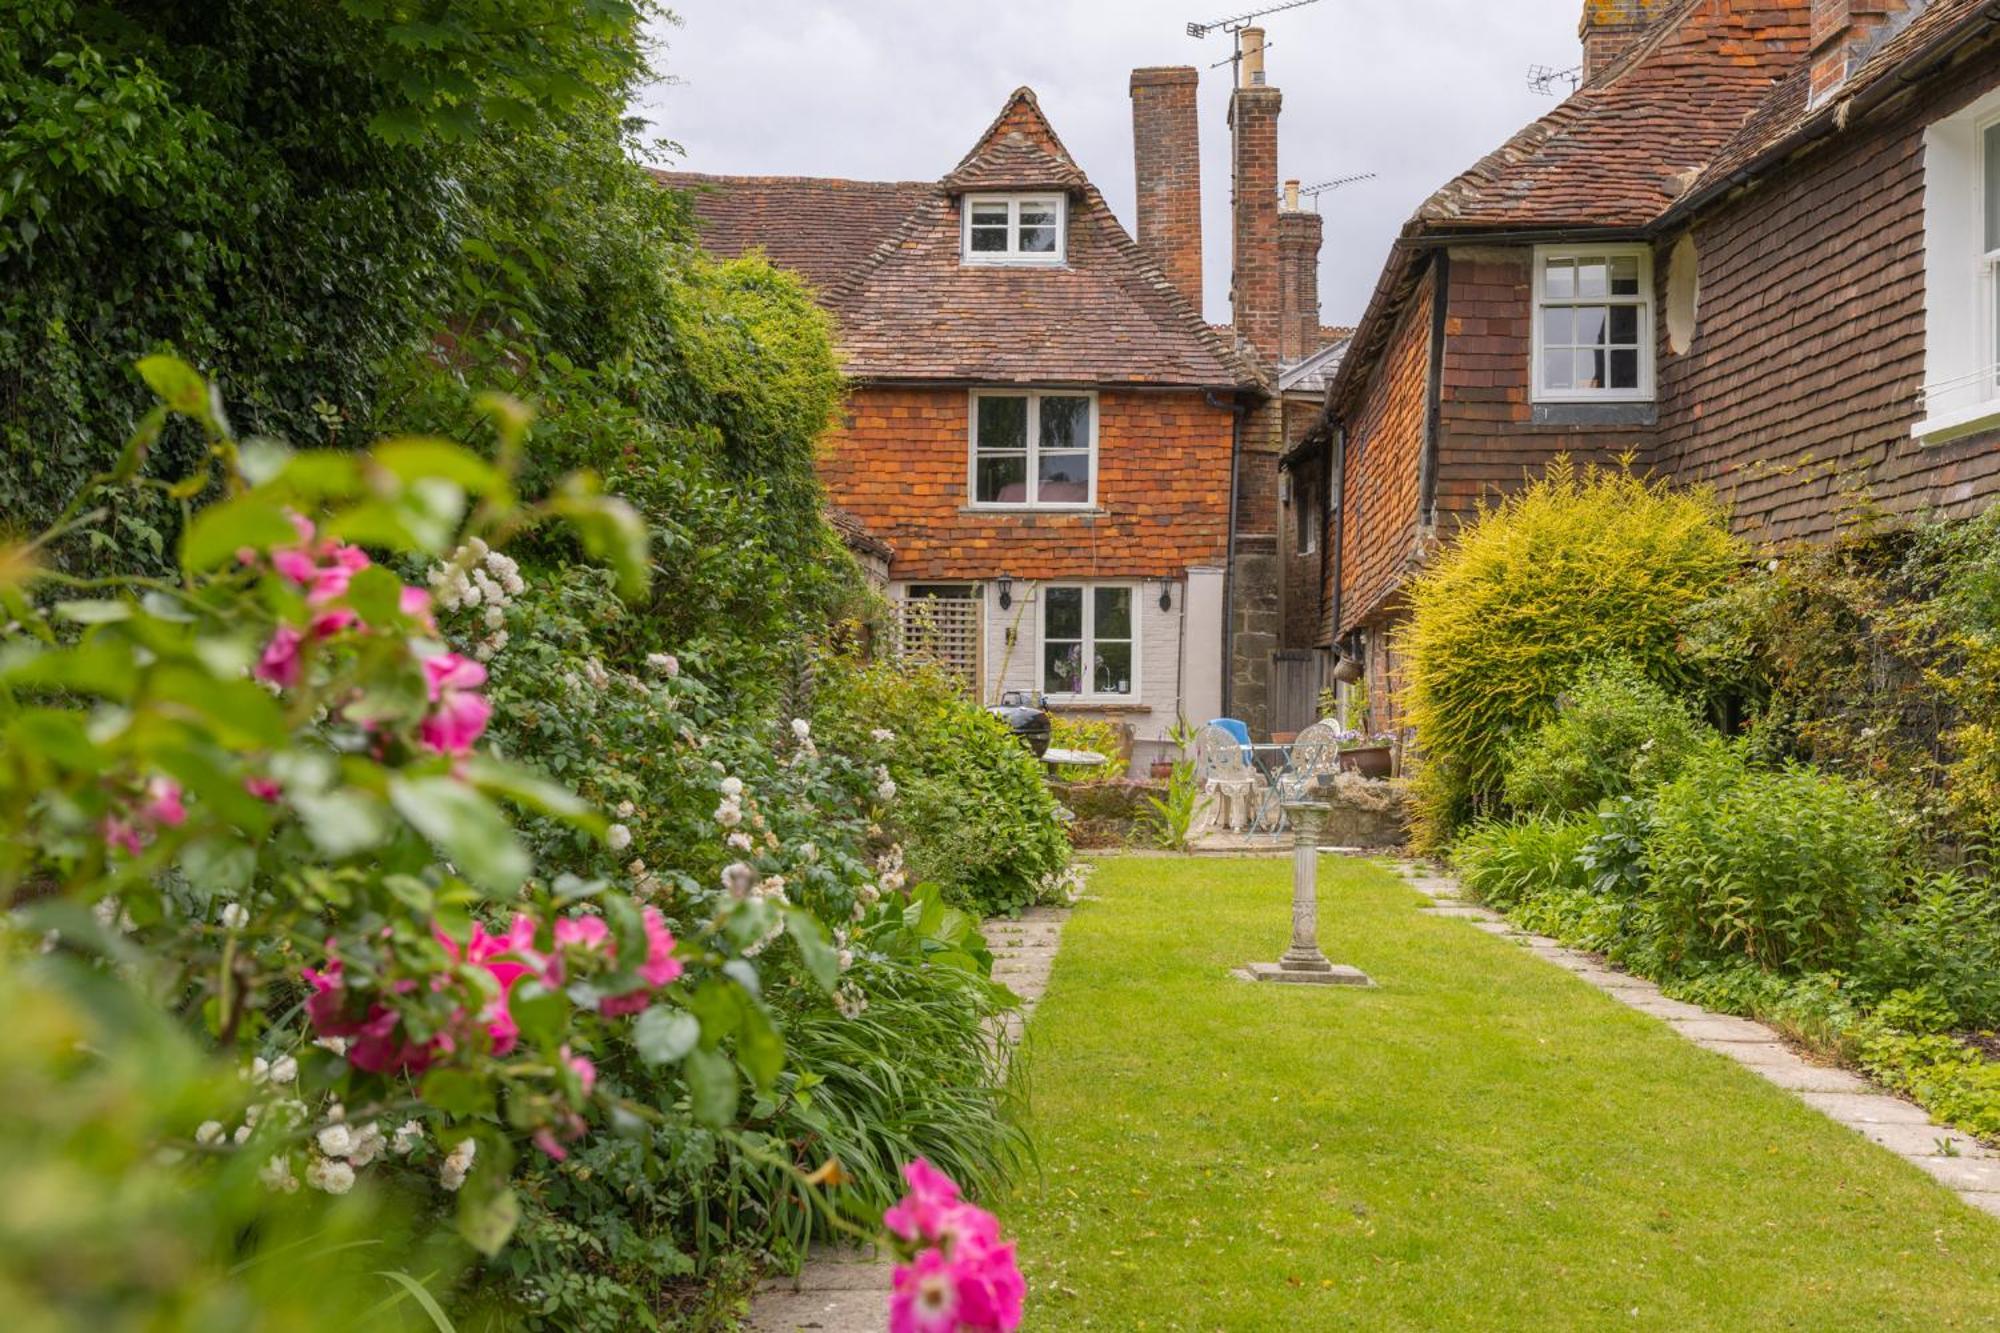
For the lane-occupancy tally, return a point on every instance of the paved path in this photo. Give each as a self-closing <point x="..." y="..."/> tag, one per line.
<point x="1904" y="1128"/>
<point x="847" y="1291"/>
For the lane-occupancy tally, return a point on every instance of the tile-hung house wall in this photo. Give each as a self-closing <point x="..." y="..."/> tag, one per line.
<point x="1041" y="428"/>
<point x="1758" y="249"/>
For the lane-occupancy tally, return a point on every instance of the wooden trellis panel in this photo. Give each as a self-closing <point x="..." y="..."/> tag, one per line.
<point x="945" y="630"/>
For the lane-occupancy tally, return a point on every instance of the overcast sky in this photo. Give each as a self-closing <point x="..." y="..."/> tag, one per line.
<point x="1413" y="90"/>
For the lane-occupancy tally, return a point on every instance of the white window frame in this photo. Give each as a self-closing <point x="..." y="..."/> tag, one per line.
<point x="1644" y="302"/>
<point x="1089" y="694"/>
<point x="1961" y="388"/>
<point x="1033" y="442"/>
<point x="1306" y="522"/>
<point x="1013" y="256"/>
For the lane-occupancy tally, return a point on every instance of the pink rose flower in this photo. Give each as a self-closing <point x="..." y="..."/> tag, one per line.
<point x="592" y="935"/>
<point x="962" y="1277"/>
<point x="163" y="803"/>
<point x="280" y="661"/>
<point x="461" y="714"/>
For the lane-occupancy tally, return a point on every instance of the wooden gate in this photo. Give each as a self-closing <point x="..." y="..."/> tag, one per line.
<point x="1295" y="686"/>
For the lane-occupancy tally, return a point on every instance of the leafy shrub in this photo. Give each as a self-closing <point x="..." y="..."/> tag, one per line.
<point x="1170" y="817"/>
<point x="1615" y="733"/>
<point x="1505" y="863"/>
<point x="1099" y="737"/>
<point x="1786" y="867"/>
<point x="973" y="813"/>
<point x="1946" y="939"/>
<point x="1580" y="567"/>
<point x="1614" y="855"/>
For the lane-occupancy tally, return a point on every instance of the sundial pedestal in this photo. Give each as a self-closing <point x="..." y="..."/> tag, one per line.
<point x="1303" y="963"/>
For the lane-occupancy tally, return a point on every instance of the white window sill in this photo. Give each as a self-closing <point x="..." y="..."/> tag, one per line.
<point x="1944" y="427"/>
<point x="1030" y="509"/>
<point x="1574" y="399"/>
<point x="989" y="259"/>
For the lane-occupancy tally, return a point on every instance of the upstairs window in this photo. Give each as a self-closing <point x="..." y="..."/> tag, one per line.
<point x="1088" y="648"/>
<point x="1961" y="391"/>
<point x="1015" y="228"/>
<point x="1033" y="450"/>
<point x="1593" y="324"/>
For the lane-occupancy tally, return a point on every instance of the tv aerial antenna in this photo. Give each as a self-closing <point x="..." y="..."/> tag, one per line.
<point x="1236" y="23"/>
<point x="1544" y="78"/>
<point x="1313" y="192"/>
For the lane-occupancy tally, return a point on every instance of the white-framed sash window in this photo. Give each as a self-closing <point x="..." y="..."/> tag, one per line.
<point x="1593" y="339"/>
<point x="1090" y="641"/>
<point x="1961" y="388"/>
<point x="1018" y="229"/>
<point x="1033" y="450"/>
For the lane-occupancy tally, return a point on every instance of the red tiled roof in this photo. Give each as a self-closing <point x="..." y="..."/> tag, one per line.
<point x="856" y="536"/>
<point x="821" y="229"/>
<point x="1713" y="93"/>
<point x="1607" y="156"/>
<point x="909" y="309"/>
<point x="1019" y="151"/>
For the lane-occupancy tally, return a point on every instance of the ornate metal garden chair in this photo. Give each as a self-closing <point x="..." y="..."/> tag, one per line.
<point x="1229" y="781"/>
<point x="1315" y="759"/>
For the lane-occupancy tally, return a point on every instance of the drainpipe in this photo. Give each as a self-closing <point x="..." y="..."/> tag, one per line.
<point x="1238" y="413"/>
<point x="1336" y="503"/>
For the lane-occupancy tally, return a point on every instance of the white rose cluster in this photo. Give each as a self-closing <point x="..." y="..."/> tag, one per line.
<point x="457" y="1165"/>
<point x="802" y="733"/>
<point x="666" y="664"/>
<point x="729" y="813"/>
<point x="478" y="578"/>
<point x="889" y="866"/>
<point x="885" y="786"/>
<point x="850" y="1001"/>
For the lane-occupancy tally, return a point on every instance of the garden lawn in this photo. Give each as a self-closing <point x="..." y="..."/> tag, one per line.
<point x="1484" y="1141"/>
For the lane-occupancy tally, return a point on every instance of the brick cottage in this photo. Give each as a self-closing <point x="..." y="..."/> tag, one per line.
<point x="1072" y="477"/>
<point x="1759" y="248"/>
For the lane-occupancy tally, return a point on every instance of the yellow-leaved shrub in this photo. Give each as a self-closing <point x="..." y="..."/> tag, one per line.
<point x="1583" y="565"/>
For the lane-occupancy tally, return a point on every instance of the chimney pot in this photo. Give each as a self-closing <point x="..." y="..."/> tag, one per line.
<point x="1291" y="196"/>
<point x="1252" y="57"/>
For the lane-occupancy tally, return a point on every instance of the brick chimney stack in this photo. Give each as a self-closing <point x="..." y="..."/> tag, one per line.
<point x="1298" y="278"/>
<point x="1609" y="28"/>
<point x="1255" y="304"/>
<point x="1166" y="155"/>
<point x="1842" y="32"/>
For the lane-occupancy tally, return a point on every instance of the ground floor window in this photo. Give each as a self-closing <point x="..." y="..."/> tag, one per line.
<point x="1090" y="644"/>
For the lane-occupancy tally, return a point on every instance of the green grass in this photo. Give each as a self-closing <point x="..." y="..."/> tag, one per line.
<point x="1482" y="1142"/>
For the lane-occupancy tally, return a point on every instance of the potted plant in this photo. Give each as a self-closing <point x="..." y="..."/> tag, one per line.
<point x="1371" y="757"/>
<point x="1181" y="735"/>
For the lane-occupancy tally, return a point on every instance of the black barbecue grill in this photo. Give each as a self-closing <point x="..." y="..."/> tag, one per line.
<point x="1026" y="715"/>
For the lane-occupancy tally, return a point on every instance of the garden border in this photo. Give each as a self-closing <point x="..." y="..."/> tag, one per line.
<point x="1951" y="1157"/>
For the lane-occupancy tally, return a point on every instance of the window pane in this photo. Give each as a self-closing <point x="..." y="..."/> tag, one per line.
<point x="1625" y="368"/>
<point x="1625" y="324"/>
<point x="1589" y="370"/>
<point x="1114" y="668"/>
<point x="1589" y="326"/>
<point x="989" y="215"/>
<point x="1559" y="326"/>
<point x="1114" y="614"/>
<point x="1038" y="240"/>
<point x="1561" y="278"/>
<point x="1065" y="423"/>
<point x="1992" y="146"/>
<point x="1003" y="422"/>
<point x="1003" y="479"/>
<point x="1065" y="479"/>
<point x="989" y="240"/>
<point x="1556" y="369"/>
<point x="1062" y="668"/>
<point x="1062" y="613"/>
<point x="1625" y="276"/>
<point x="1591" y="277"/>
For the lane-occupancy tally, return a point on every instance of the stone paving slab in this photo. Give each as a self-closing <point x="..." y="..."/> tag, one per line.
<point x="1954" y="1159"/>
<point x="846" y="1291"/>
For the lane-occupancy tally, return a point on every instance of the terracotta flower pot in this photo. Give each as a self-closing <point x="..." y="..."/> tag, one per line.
<point x="1163" y="769"/>
<point x="1370" y="761"/>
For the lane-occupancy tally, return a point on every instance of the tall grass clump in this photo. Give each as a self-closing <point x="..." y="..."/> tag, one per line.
<point x="1584" y="565"/>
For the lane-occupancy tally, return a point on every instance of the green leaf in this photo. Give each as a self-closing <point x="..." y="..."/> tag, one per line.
<point x="54" y="734"/>
<point x="177" y="385"/>
<point x="542" y="1014"/>
<point x="218" y="865"/>
<point x="760" y="1048"/>
<point x="457" y="1093"/>
<point x="468" y="827"/>
<point x="529" y="789"/>
<point x="820" y="959"/>
<point x="719" y="1006"/>
<point x="95" y="611"/>
<point x="252" y="521"/>
<point x="414" y="457"/>
<point x="422" y="1296"/>
<point x="712" y="1087"/>
<point x="133" y="456"/>
<point x="610" y="530"/>
<point x="663" y="1035"/>
<point x="375" y="594"/>
<point x="341" y="823"/>
<point x="487" y="1217"/>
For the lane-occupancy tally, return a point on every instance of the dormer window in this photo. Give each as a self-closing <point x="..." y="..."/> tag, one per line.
<point x="1015" y="228"/>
